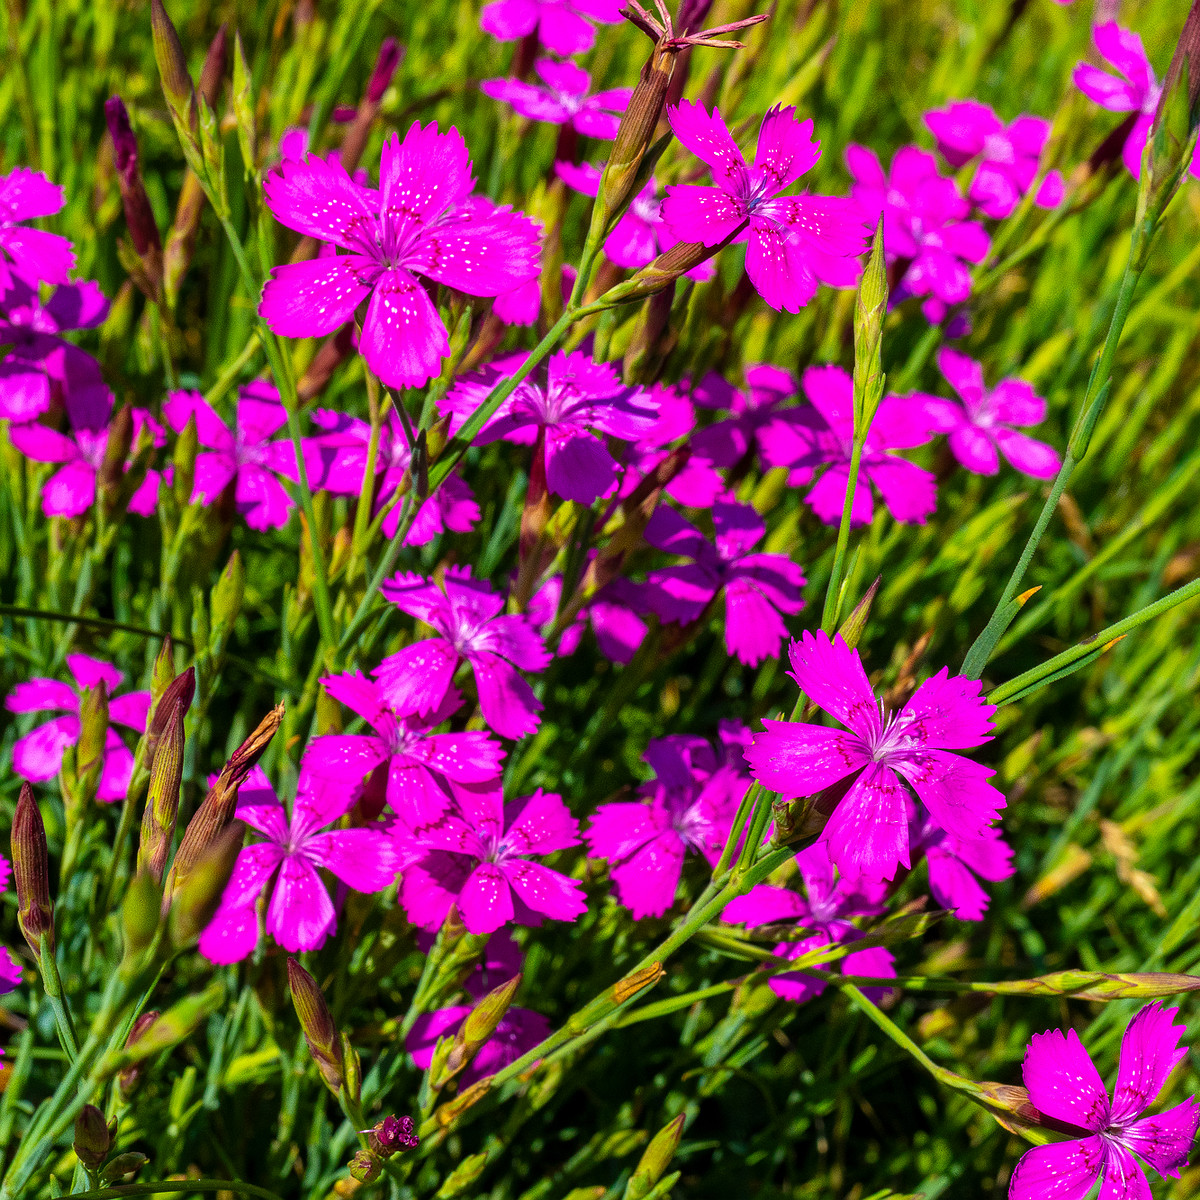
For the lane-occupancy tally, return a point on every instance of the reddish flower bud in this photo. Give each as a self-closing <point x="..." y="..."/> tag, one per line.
<point x="316" y="1021"/>
<point x="31" y="873"/>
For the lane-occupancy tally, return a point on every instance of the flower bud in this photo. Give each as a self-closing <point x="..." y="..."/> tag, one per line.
<point x="116" y="451"/>
<point x="226" y="600"/>
<point x="176" y="81"/>
<point x="851" y="629"/>
<point x="636" y="131"/>
<point x="162" y="673"/>
<point x="195" y="900"/>
<point x="365" y="1166"/>
<point x="317" y="1025"/>
<point x="31" y="873"/>
<point x="93" y="734"/>
<point x="870" y="309"/>
<point x="128" y="1079"/>
<point x="162" y="797"/>
<point x="187" y="447"/>
<point x="92" y="1138"/>
<point x="140" y="913"/>
<point x="243" y="106"/>
<point x="139" y="217"/>
<point x="1171" y="142"/>
<point x="352" y="1066"/>
<point x="213" y="70"/>
<point x="392" y="1135"/>
<point x="177" y="693"/>
<point x="479" y="1025"/>
<point x="385" y="67"/>
<point x="655" y="1160"/>
<point x="122" y="1165"/>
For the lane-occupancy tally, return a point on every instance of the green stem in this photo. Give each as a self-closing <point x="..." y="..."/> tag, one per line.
<point x="54" y="993"/>
<point x="829" y="616"/>
<point x="166" y="1187"/>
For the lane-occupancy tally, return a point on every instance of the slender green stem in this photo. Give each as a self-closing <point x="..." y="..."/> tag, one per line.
<point x="54" y="993"/>
<point x="829" y="616"/>
<point x="166" y="1187"/>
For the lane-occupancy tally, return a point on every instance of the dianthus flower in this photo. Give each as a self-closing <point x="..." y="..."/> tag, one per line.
<point x="790" y="237"/>
<point x="614" y="613"/>
<point x="300" y="914"/>
<point x="868" y="830"/>
<point x="564" y="99"/>
<point x="560" y="411"/>
<point x="466" y="617"/>
<point x="687" y="806"/>
<point x="246" y="457"/>
<point x="39" y="369"/>
<point x="954" y="862"/>
<point x="1008" y="156"/>
<point x="343" y="450"/>
<point x="909" y="491"/>
<point x="1065" y="1086"/>
<point x="924" y="225"/>
<point x="477" y="856"/>
<point x="422" y="221"/>
<point x="1134" y="90"/>
<point x="417" y="760"/>
<point x="828" y="907"/>
<point x="983" y="424"/>
<point x="758" y="587"/>
<point x="71" y="490"/>
<point x="561" y="25"/>
<point x="31" y="255"/>
<point x="519" y="1030"/>
<point x="38" y="755"/>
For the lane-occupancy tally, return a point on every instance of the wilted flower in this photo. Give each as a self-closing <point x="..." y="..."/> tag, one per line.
<point x="564" y="99"/>
<point x="790" y="237"/>
<point x="867" y="833"/>
<point x="31" y="255"/>
<point x="1064" y="1085"/>
<point x="422" y="221"/>
<point x="38" y="755"/>
<point x="561" y="25"/>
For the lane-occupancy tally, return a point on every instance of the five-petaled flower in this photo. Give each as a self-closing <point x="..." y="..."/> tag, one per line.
<point x="1065" y="1086"/>
<point x="564" y="99"/>
<point x="421" y="221"/>
<point x="868" y="829"/>
<point x="789" y="236"/>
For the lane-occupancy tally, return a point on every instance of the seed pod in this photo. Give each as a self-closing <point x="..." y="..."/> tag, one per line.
<point x="316" y="1022"/>
<point x="92" y="1138"/>
<point x="31" y="873"/>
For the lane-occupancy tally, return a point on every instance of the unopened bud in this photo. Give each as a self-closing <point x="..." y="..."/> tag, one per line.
<point x="183" y="460"/>
<point x="128" y="1079"/>
<point x="93" y="735"/>
<point x="178" y="693"/>
<point x="385" y="67"/>
<point x="243" y="106"/>
<point x="851" y="629"/>
<point x="316" y="1021"/>
<point x="122" y="1165"/>
<point x="227" y="594"/>
<point x="163" y="671"/>
<point x="194" y="902"/>
<point x="655" y="1160"/>
<point x="116" y="451"/>
<point x="92" y="1138"/>
<point x="172" y="64"/>
<point x="870" y="309"/>
<point x="636" y="131"/>
<point x="31" y="873"/>
<point x="139" y="216"/>
<point x="352" y="1068"/>
<point x="213" y="70"/>
<point x="162" y="796"/>
<point x="478" y="1027"/>
<point x="140" y="913"/>
<point x="666" y="268"/>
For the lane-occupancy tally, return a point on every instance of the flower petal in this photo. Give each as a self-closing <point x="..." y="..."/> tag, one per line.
<point x="485" y="902"/>
<point x="1150" y="1051"/>
<point x="800" y="760"/>
<point x="300" y="915"/>
<point x="831" y="675"/>
<point x="868" y="831"/>
<point x="1061" y="1171"/>
<point x="403" y="338"/>
<point x="1063" y="1082"/>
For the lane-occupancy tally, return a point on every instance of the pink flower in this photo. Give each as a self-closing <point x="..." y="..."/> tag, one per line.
<point x="38" y="755"/>
<point x="688" y="806"/>
<point x="792" y="239"/>
<point x="10" y="969"/>
<point x="868" y="831"/>
<point x="565" y="408"/>
<point x="828" y="907"/>
<point x="564" y="99"/>
<point x="924" y="225"/>
<point x="561" y="25"/>
<point x="613" y="612"/>
<point x="40" y="370"/>
<point x="245" y="457"/>
<point x="71" y="490"/>
<point x="640" y="233"/>
<point x="467" y="619"/>
<point x="417" y="761"/>
<point x="1135" y="90"/>
<point x="1064" y="1085"/>
<point x="31" y="255"/>
<point x="758" y="587"/>
<point x="519" y="1030"/>
<point x="422" y="222"/>
<point x="343" y="449"/>
<point x="478" y="857"/>
<point x="909" y="491"/>
<point x="953" y="864"/>
<point x="1008" y="156"/>
<point x="300" y="914"/>
<point x="983" y="423"/>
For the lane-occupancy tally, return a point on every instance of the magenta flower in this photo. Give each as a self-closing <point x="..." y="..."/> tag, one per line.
<point x="10" y="969"/>
<point x="244" y="458"/>
<point x="790" y="237"/>
<point x="1064" y="1085"/>
<point x="924" y="225"/>
<point x="422" y="222"/>
<point x="477" y="856"/>
<point x="519" y="1030"/>
<point x="38" y="755"/>
<point x="561" y="25"/>
<point x="564" y="99"/>
<point x="1133" y="90"/>
<point x="561" y="410"/>
<point x="467" y="619"/>
<point x="688" y="806"/>
<point x="343" y="449"/>
<point x="39" y="370"/>
<point x="758" y="587"/>
<point x="954" y="862"/>
<point x="31" y="255"/>
<point x="983" y="423"/>
<point x="868" y="830"/>
<point x="71" y="490"/>
<point x="1008" y="157"/>
<point x="909" y="491"/>
<point x="640" y="233"/>
<point x="614" y="613"/>
<point x="828" y="907"/>
<point x="416" y="760"/>
<point x="300" y="914"/>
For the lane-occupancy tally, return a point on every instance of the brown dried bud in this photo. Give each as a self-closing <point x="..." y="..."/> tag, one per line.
<point x="31" y="873"/>
<point x="316" y="1021"/>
